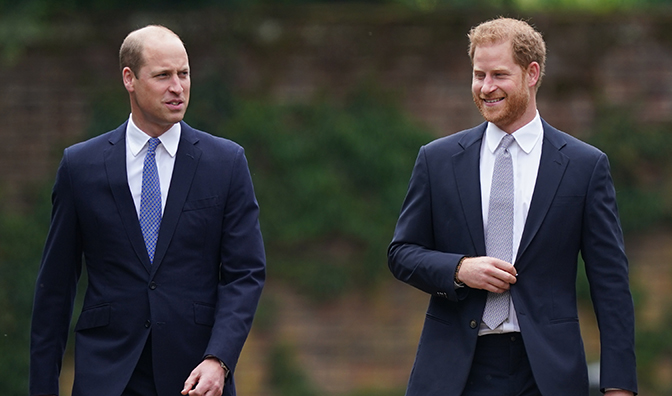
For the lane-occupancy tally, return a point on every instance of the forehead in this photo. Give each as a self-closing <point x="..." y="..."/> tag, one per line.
<point x="164" y="52"/>
<point x="494" y="55"/>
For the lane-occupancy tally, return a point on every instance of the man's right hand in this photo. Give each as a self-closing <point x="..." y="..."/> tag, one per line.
<point x="487" y="273"/>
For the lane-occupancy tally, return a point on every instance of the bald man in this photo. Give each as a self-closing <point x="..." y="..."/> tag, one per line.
<point x="165" y="220"/>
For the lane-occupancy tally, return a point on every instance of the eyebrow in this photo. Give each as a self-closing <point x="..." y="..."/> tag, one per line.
<point x="494" y="70"/>
<point x="168" y="71"/>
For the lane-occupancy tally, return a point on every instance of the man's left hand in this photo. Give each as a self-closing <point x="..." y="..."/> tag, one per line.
<point x="207" y="379"/>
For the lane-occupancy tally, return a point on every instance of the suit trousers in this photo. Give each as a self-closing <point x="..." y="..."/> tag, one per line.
<point x="501" y="368"/>
<point x="142" y="379"/>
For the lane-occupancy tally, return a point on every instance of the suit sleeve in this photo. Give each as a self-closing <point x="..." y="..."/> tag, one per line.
<point x="607" y="271"/>
<point x="412" y="254"/>
<point x="55" y="288"/>
<point x="242" y="270"/>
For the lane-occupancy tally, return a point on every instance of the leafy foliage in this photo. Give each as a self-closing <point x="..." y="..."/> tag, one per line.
<point x="287" y="377"/>
<point x="330" y="179"/>
<point x="47" y="7"/>
<point x="21" y="238"/>
<point x="330" y="176"/>
<point x="654" y="355"/>
<point x="640" y="165"/>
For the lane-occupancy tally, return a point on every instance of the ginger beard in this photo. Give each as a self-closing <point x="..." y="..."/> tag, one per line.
<point x="514" y="106"/>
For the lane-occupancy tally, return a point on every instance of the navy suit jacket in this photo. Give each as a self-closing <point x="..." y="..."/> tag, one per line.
<point x="199" y="296"/>
<point x="573" y="209"/>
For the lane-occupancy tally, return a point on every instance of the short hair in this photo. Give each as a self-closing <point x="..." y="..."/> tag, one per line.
<point x="528" y="44"/>
<point x="130" y="53"/>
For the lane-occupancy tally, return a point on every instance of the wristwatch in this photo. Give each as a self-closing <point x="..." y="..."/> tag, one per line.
<point x="457" y="280"/>
<point x="226" y="369"/>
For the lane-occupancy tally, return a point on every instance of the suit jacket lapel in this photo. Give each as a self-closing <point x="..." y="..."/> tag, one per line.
<point x="466" y="165"/>
<point x="551" y="169"/>
<point x="186" y="161"/>
<point x="115" y="166"/>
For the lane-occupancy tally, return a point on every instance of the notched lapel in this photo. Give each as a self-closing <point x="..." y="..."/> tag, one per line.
<point x="115" y="167"/>
<point x="186" y="162"/>
<point x="466" y="165"/>
<point x="552" y="166"/>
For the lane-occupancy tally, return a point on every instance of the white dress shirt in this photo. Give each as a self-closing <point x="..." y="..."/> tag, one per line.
<point x="136" y="149"/>
<point x="526" y="154"/>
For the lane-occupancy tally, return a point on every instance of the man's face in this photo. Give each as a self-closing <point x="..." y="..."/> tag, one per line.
<point x="160" y="92"/>
<point x="501" y="88"/>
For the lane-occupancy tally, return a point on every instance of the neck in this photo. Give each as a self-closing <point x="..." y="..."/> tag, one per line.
<point x="151" y="130"/>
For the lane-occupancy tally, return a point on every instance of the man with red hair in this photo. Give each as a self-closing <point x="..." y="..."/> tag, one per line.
<point x="492" y="226"/>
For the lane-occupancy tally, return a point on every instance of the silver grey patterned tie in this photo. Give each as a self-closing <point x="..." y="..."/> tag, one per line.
<point x="499" y="235"/>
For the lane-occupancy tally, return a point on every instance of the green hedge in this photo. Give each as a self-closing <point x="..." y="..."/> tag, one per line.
<point x="330" y="178"/>
<point x="21" y="239"/>
<point x="641" y="166"/>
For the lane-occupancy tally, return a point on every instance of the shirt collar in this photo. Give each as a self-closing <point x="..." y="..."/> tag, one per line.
<point x="526" y="137"/>
<point x="137" y="139"/>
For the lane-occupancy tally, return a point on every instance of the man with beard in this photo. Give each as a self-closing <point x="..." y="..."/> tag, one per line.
<point x="492" y="225"/>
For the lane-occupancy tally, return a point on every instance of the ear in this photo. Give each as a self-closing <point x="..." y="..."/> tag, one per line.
<point x="129" y="78"/>
<point x="533" y="74"/>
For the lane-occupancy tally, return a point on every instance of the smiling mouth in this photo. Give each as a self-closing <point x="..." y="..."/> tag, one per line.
<point x="491" y="101"/>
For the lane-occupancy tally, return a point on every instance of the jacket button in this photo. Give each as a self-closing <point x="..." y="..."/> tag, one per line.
<point x="473" y="324"/>
<point x="152" y="285"/>
<point x="148" y="323"/>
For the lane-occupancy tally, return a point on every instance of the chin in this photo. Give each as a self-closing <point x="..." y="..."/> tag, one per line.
<point x="496" y="117"/>
<point x="175" y="118"/>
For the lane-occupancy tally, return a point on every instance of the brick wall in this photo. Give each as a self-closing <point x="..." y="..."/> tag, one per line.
<point x="294" y="54"/>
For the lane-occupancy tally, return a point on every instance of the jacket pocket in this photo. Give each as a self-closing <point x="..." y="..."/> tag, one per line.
<point x="437" y="319"/>
<point x="200" y="204"/>
<point x="565" y="320"/>
<point x="96" y="316"/>
<point x="204" y="314"/>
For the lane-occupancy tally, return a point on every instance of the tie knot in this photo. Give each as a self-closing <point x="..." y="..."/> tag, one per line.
<point x="506" y="141"/>
<point x="153" y="142"/>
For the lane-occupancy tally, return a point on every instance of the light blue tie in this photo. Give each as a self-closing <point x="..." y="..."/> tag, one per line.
<point x="499" y="235"/>
<point x="150" y="199"/>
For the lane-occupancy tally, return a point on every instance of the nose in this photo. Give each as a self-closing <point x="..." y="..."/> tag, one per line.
<point x="176" y="85"/>
<point x="488" y="85"/>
